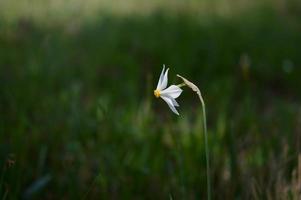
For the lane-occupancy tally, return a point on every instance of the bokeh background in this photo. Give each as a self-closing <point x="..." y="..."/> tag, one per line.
<point x="78" y="118"/>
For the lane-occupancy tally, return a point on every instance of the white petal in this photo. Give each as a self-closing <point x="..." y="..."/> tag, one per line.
<point x="172" y="91"/>
<point x="174" y="102"/>
<point x="161" y="78"/>
<point x="170" y="104"/>
<point x="163" y="84"/>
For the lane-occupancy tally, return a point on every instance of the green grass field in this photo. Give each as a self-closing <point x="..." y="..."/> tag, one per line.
<point x="78" y="118"/>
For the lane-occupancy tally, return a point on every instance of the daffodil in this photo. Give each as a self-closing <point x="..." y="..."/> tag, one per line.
<point x="169" y="94"/>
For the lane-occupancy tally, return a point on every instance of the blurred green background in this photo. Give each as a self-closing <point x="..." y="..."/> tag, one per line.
<point x="78" y="119"/>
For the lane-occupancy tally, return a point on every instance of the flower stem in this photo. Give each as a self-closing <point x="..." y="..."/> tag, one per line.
<point x="181" y="85"/>
<point x="197" y="90"/>
<point x="206" y="147"/>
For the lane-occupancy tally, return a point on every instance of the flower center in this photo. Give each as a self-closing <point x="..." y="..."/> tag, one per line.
<point x="157" y="93"/>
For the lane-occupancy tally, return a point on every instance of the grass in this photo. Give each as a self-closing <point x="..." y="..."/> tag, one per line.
<point x="78" y="119"/>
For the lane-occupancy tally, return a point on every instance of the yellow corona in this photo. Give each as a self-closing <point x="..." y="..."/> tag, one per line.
<point x="157" y="93"/>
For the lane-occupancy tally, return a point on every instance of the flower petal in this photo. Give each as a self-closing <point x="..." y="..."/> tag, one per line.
<point x="172" y="91"/>
<point x="174" y="102"/>
<point x="170" y="104"/>
<point x="163" y="84"/>
<point x="161" y="78"/>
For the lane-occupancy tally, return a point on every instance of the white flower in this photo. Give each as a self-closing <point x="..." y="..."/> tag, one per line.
<point x="169" y="94"/>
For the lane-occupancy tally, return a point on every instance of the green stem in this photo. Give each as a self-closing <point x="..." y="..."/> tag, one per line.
<point x="206" y="147"/>
<point x="181" y="85"/>
<point x="197" y="90"/>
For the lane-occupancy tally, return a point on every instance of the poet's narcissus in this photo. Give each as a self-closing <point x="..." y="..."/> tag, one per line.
<point x="169" y="94"/>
